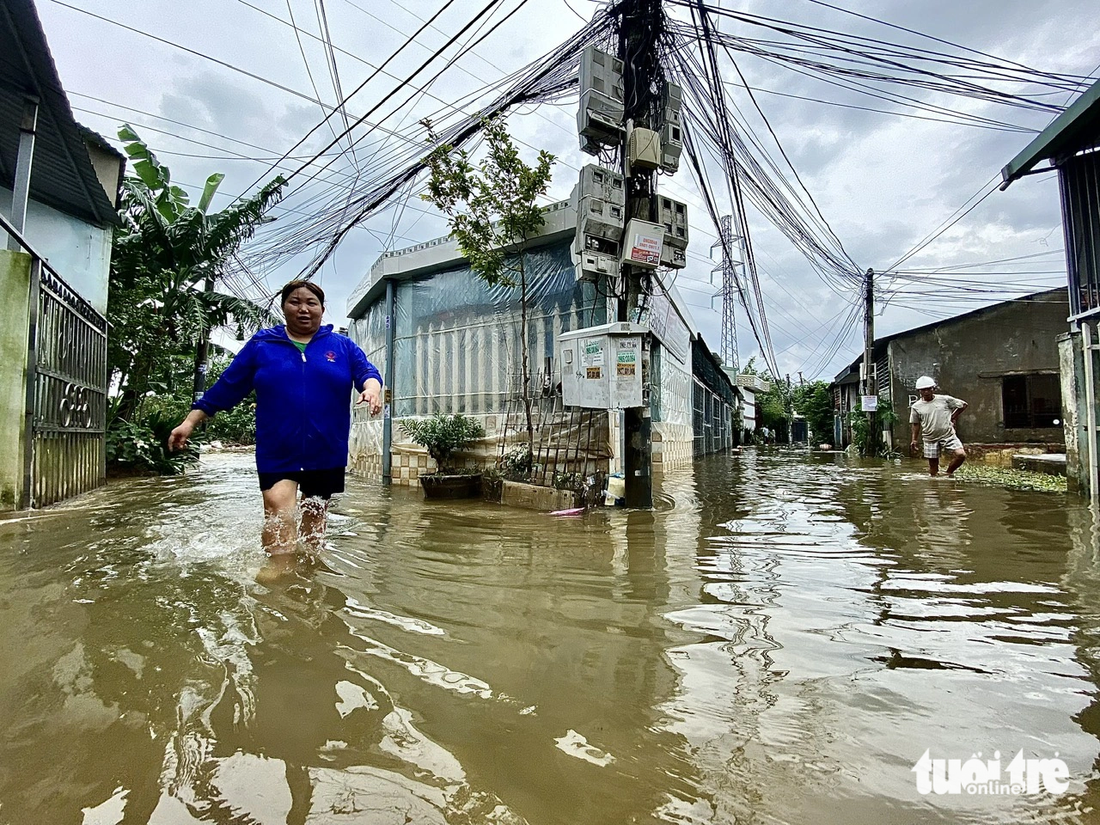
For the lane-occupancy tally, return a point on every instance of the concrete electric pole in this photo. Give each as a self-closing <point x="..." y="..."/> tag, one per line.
<point x="640" y="27"/>
<point x="870" y="382"/>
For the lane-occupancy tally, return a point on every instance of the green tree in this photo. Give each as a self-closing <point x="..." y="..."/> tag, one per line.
<point x="166" y="261"/>
<point x="885" y="418"/>
<point x="493" y="213"/>
<point x="774" y="407"/>
<point x="815" y="402"/>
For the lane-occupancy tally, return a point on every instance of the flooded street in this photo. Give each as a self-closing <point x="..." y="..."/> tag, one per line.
<point x="780" y="641"/>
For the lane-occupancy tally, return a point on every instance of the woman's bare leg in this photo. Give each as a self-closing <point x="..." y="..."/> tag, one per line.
<point x="314" y="520"/>
<point x="280" y="534"/>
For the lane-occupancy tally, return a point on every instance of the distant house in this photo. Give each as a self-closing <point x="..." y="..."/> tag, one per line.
<point x="716" y="402"/>
<point x="1001" y="359"/>
<point x="750" y="387"/>
<point x="59" y="186"/>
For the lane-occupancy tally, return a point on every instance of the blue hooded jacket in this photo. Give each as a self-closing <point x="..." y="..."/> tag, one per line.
<point x="303" y="399"/>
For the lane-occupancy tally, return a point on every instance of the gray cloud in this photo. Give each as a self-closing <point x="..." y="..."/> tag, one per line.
<point x="883" y="182"/>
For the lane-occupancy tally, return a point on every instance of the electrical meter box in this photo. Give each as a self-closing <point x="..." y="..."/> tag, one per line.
<point x="600" y="116"/>
<point x="642" y="243"/>
<point x="672" y="215"/>
<point x="601" y="72"/>
<point x="599" y="121"/>
<point x="601" y="367"/>
<point x="672" y="136"/>
<point x="673" y="257"/>
<point x="672" y="146"/>
<point x="591" y="265"/>
<point x="598" y="182"/>
<point x="594" y="243"/>
<point x="600" y="218"/>
<point x="672" y="101"/>
<point x="644" y="148"/>
<point x="596" y="256"/>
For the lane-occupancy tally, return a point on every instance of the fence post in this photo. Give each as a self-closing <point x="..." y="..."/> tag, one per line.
<point x="32" y="380"/>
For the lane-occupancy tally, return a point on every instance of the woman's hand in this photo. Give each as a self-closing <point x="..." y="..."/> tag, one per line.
<point x="372" y="395"/>
<point x="177" y="440"/>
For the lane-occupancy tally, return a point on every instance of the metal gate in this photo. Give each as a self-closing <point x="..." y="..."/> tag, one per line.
<point x="66" y="392"/>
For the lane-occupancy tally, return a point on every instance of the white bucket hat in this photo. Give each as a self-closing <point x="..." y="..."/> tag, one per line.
<point x="926" y="383"/>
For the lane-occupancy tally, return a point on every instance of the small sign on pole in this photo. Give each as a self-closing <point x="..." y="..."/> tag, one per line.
<point x="870" y="403"/>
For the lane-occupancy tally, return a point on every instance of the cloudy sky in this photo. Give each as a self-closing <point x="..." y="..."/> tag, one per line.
<point x="228" y="85"/>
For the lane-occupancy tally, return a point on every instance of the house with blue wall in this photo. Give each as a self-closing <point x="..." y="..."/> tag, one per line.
<point x="449" y="343"/>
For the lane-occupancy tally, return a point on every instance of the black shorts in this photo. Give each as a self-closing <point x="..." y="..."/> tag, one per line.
<point x="311" y="483"/>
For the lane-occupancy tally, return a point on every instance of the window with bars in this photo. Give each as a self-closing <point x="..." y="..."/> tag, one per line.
<point x="1031" y="401"/>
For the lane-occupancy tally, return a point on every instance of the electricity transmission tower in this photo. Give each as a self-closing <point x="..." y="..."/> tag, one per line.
<point x="730" y="245"/>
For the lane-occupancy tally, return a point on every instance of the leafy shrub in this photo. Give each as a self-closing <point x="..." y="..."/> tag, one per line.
<point x="235" y="426"/>
<point x="861" y="429"/>
<point x="442" y="435"/>
<point x="142" y="446"/>
<point x="164" y="406"/>
<point x="517" y="464"/>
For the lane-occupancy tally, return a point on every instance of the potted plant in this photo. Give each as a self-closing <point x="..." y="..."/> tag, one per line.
<point x="442" y="436"/>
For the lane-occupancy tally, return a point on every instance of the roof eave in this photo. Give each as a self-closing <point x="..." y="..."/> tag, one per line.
<point x="1057" y="137"/>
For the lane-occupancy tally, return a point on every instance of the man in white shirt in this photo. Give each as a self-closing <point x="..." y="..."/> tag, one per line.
<point x="933" y="419"/>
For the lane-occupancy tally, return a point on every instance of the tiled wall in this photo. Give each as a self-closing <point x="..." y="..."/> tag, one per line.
<point x="407" y="467"/>
<point x="672" y="445"/>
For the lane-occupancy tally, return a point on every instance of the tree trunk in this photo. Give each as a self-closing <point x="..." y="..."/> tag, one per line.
<point x="127" y="406"/>
<point x="135" y="383"/>
<point x="525" y="366"/>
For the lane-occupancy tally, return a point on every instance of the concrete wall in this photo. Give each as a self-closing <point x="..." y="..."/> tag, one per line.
<point x="80" y="252"/>
<point x="969" y="356"/>
<point x="1071" y="359"/>
<point x="673" y="438"/>
<point x="748" y="409"/>
<point x="15" y="269"/>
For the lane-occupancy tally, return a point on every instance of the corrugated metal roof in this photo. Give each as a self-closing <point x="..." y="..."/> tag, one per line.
<point x="1075" y="130"/>
<point x="62" y="175"/>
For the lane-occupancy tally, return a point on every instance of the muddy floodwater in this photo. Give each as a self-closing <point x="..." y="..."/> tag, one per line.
<point x="782" y="640"/>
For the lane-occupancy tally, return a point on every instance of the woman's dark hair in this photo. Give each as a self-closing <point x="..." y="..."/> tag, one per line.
<point x="293" y="285"/>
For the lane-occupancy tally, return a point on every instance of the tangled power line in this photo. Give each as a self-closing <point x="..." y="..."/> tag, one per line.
<point x="376" y="162"/>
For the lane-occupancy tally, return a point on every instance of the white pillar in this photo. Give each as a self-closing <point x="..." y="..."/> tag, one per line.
<point x="24" y="160"/>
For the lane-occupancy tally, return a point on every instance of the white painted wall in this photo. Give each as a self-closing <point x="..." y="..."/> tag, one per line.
<point x="80" y="252"/>
<point x="749" y="409"/>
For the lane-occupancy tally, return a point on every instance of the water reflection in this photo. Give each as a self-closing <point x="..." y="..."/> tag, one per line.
<point x="779" y="641"/>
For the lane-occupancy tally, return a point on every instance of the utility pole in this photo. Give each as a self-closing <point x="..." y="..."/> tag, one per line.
<point x="639" y="29"/>
<point x="789" y="405"/>
<point x="202" y="351"/>
<point x="870" y="384"/>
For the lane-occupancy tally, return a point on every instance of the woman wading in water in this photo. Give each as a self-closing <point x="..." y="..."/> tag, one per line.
<point x="303" y="374"/>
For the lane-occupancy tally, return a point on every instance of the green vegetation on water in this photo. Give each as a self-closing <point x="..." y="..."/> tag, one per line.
<point x="1011" y="479"/>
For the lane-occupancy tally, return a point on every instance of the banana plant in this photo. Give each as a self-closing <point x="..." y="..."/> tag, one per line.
<point x="167" y="260"/>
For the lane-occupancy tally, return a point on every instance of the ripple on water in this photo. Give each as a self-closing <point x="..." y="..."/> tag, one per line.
<point x="779" y="641"/>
